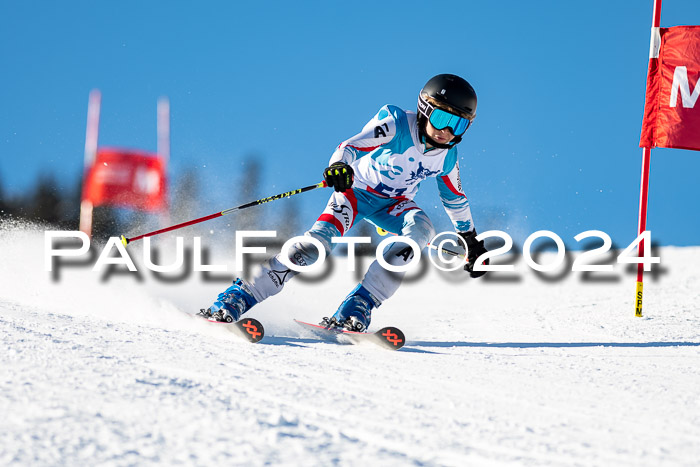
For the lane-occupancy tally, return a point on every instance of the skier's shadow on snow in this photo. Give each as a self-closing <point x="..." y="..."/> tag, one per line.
<point x="414" y="346"/>
<point x="528" y="345"/>
<point x="306" y="342"/>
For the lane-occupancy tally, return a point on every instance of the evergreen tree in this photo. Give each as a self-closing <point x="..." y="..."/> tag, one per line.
<point x="250" y="219"/>
<point x="289" y="218"/>
<point x="185" y="195"/>
<point x="4" y="206"/>
<point x="186" y="202"/>
<point x="70" y="203"/>
<point x="106" y="222"/>
<point x="45" y="203"/>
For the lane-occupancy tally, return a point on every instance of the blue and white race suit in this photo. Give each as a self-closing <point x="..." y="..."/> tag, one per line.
<point x="390" y="161"/>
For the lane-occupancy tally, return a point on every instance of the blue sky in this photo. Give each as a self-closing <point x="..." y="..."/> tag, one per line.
<point x="554" y="146"/>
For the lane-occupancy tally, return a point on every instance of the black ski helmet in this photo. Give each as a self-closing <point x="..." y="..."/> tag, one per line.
<point x="450" y="93"/>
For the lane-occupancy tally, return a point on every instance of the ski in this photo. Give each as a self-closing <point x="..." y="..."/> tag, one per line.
<point x="249" y="329"/>
<point x="390" y="337"/>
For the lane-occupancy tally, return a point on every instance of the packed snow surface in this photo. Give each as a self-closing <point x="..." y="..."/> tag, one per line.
<point x="510" y="369"/>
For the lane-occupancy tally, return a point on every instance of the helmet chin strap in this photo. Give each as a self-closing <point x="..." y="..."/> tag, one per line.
<point x="435" y="144"/>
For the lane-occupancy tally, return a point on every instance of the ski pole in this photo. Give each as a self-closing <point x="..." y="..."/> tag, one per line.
<point x="257" y="202"/>
<point x="445" y="250"/>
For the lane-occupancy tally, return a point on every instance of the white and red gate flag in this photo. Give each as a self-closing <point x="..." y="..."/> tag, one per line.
<point x="126" y="178"/>
<point x="672" y="108"/>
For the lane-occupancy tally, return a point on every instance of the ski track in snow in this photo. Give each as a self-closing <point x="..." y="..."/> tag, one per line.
<point x="524" y="372"/>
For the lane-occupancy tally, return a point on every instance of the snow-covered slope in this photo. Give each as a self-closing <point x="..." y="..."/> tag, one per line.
<point x="524" y="371"/>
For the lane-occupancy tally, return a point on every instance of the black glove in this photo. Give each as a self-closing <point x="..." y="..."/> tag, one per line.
<point x="475" y="249"/>
<point x="339" y="176"/>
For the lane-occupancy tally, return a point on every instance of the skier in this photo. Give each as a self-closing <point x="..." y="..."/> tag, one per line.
<point x="376" y="175"/>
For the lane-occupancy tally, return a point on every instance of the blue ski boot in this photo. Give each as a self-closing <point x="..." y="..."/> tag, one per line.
<point x="355" y="313"/>
<point x="231" y="304"/>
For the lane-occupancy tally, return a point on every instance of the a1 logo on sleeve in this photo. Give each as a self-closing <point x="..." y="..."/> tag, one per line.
<point x="380" y="132"/>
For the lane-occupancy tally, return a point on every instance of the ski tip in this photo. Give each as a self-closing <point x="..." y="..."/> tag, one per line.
<point x="391" y="337"/>
<point x="252" y="328"/>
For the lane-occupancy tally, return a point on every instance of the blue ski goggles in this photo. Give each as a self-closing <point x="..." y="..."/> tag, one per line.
<point x="441" y="119"/>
